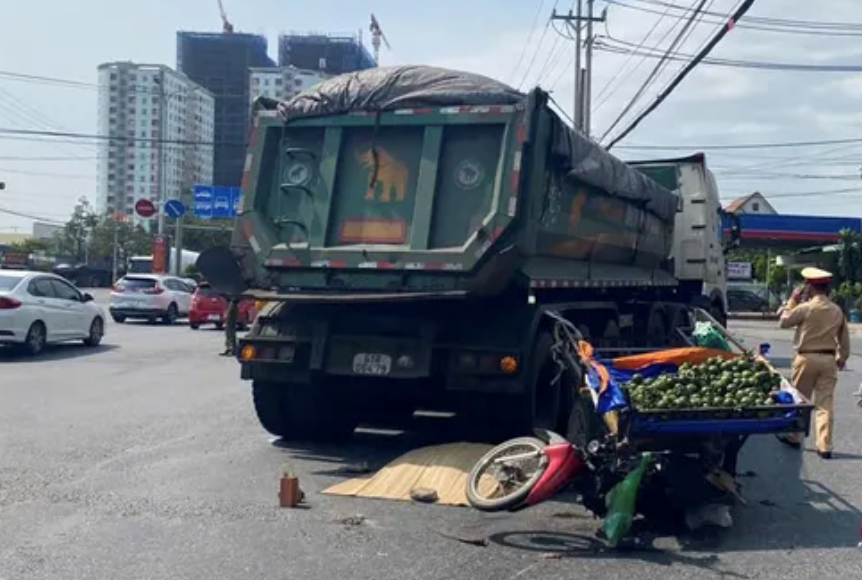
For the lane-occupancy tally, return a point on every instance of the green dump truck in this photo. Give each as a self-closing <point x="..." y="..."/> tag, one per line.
<point x="409" y="226"/>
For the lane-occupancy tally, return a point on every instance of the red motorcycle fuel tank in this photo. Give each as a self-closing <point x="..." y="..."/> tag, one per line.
<point x="564" y="463"/>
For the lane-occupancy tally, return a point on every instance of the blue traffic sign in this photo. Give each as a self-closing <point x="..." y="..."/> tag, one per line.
<point x="174" y="208"/>
<point x="203" y="207"/>
<point x="214" y="202"/>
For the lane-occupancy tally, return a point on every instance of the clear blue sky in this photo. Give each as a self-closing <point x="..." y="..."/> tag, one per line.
<point x="715" y="105"/>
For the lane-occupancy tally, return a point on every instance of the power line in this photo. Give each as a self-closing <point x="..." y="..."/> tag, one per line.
<point x="37" y="218"/>
<point x="744" y="6"/>
<point x="773" y="145"/>
<point x="75" y="84"/>
<point x="816" y="193"/>
<point x="12" y="132"/>
<point x="618" y="46"/>
<point x="47" y="174"/>
<point x="659" y="67"/>
<point x="41" y="158"/>
<point x="533" y="27"/>
<point x="811" y="28"/>
<point x="538" y="49"/>
<point x="628" y="59"/>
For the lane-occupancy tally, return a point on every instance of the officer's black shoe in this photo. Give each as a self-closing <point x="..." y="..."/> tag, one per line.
<point x="825" y="454"/>
<point x="788" y="442"/>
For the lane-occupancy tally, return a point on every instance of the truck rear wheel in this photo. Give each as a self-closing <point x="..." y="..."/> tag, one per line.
<point x="297" y="412"/>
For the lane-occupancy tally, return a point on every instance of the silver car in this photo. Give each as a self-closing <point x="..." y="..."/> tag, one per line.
<point x="151" y="297"/>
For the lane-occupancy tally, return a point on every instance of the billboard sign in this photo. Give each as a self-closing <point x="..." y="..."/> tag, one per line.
<point x="160" y="255"/>
<point x="739" y="270"/>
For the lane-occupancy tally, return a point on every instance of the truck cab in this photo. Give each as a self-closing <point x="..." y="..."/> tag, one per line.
<point x="698" y="250"/>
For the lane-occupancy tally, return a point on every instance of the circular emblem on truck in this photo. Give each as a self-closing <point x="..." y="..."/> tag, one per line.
<point x="298" y="173"/>
<point x="469" y="174"/>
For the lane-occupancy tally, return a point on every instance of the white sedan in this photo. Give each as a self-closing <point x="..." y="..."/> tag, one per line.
<point x="37" y="309"/>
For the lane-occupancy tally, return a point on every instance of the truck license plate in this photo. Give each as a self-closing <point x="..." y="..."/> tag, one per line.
<point x="372" y="364"/>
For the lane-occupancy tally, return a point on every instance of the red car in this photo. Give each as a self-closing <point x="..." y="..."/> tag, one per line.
<point x="210" y="307"/>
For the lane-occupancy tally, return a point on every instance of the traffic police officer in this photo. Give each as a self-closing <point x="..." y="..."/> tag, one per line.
<point x="822" y="344"/>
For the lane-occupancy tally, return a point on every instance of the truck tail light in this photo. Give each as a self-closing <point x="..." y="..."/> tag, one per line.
<point x="9" y="304"/>
<point x="248" y="353"/>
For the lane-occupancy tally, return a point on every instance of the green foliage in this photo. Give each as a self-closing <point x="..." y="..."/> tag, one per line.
<point x="72" y="240"/>
<point x="200" y="234"/>
<point x="31" y="246"/>
<point x="849" y="257"/>
<point x="90" y="237"/>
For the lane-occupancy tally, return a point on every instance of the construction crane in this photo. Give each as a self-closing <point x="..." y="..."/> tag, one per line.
<point x="226" y="26"/>
<point x="376" y="36"/>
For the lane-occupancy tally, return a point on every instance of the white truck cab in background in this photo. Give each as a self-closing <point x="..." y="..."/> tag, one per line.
<point x="698" y="249"/>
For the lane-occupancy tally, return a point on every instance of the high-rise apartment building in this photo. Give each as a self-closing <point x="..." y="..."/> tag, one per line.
<point x="330" y="54"/>
<point x="161" y="126"/>
<point x="221" y="63"/>
<point x="282" y="83"/>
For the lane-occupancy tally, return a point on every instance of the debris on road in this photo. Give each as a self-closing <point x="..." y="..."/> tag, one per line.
<point x="351" y="521"/>
<point x="472" y="541"/>
<point x="423" y="495"/>
<point x="290" y="495"/>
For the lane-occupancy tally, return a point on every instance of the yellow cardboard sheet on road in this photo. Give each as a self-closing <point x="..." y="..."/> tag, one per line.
<point x="443" y="468"/>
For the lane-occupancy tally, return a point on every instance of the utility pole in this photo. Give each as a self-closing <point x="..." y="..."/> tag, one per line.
<point x="178" y="247"/>
<point x="160" y="170"/>
<point x="116" y="252"/>
<point x="583" y="74"/>
<point x="588" y="78"/>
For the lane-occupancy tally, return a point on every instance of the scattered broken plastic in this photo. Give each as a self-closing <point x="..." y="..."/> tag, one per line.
<point x="858" y="395"/>
<point x="709" y="515"/>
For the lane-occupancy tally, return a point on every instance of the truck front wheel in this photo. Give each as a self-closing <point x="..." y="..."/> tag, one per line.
<point x="297" y="412"/>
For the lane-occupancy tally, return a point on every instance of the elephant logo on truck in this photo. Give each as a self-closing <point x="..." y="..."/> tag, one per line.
<point x="388" y="176"/>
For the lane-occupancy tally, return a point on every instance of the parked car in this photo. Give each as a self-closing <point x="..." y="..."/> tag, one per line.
<point x="210" y="307"/>
<point x="37" y="309"/>
<point x="152" y="297"/>
<point x="746" y="301"/>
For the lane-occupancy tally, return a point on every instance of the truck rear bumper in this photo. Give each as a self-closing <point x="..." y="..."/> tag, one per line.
<point x="422" y="367"/>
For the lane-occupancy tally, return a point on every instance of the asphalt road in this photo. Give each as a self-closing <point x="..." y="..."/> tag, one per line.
<point x="143" y="459"/>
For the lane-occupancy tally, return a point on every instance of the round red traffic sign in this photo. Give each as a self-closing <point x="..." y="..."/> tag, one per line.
<point x="145" y="208"/>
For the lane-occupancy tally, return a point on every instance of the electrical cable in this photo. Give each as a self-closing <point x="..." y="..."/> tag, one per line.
<point x="812" y="28"/>
<point x="739" y="13"/>
<point x="628" y="59"/>
<point x="533" y="27"/>
<point x="12" y="133"/>
<point x="29" y="216"/>
<point x="767" y="145"/>
<point x="699" y="5"/>
<point x="625" y="47"/>
<point x="538" y="49"/>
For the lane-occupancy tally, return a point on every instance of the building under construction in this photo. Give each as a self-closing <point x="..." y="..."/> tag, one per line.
<point x="329" y="54"/>
<point x="220" y="62"/>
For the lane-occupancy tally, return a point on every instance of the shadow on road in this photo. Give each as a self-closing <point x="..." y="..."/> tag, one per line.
<point x="573" y="545"/>
<point x="56" y="352"/>
<point x="372" y="447"/>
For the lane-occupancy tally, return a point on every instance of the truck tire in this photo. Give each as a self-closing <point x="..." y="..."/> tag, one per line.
<point x="301" y="412"/>
<point x="547" y="401"/>
<point x="584" y="423"/>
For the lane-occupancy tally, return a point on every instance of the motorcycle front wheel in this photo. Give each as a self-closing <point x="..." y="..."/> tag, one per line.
<point x="504" y="477"/>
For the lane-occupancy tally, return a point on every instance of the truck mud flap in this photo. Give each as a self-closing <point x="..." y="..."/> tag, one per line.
<point x="220" y="268"/>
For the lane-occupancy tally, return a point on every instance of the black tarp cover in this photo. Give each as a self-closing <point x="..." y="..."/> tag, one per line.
<point x="405" y="87"/>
